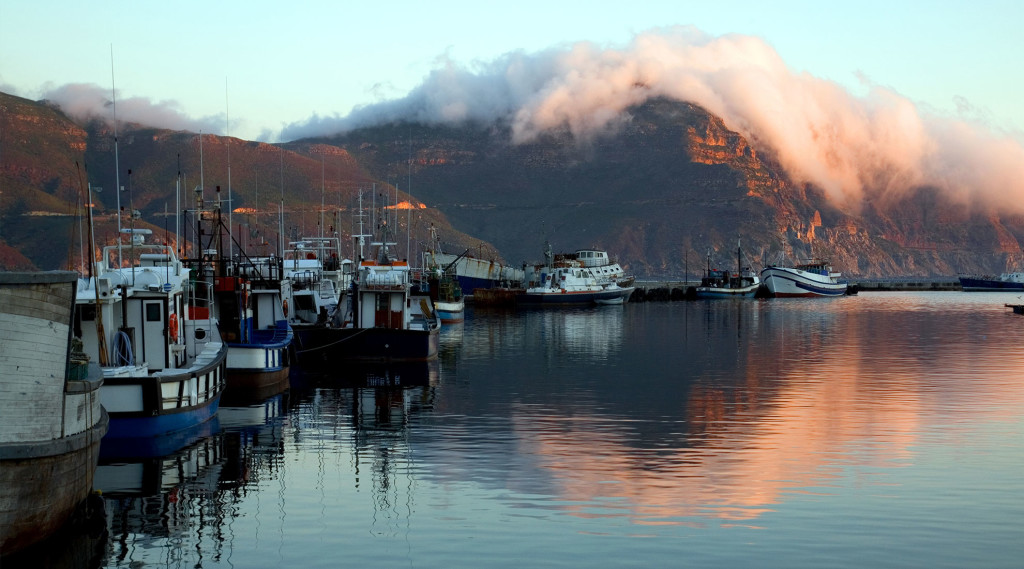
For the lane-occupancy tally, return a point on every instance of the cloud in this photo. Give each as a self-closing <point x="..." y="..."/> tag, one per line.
<point x="82" y="101"/>
<point x="854" y="147"/>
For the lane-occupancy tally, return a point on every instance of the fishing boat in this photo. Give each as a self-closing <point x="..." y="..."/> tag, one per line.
<point x="813" y="278"/>
<point x="1006" y="282"/>
<point x="561" y="281"/>
<point x="721" y="283"/>
<point x="604" y="268"/>
<point x="473" y="273"/>
<point x="49" y="400"/>
<point x="163" y="363"/>
<point x="250" y="301"/>
<point x="444" y="288"/>
<point x="244" y="295"/>
<point x="313" y="280"/>
<point x="383" y="318"/>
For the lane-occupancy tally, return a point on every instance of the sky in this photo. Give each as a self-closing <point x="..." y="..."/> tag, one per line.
<point x="836" y="89"/>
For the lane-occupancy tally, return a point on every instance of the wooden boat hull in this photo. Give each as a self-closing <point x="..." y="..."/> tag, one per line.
<point x="39" y="494"/>
<point x="51" y="421"/>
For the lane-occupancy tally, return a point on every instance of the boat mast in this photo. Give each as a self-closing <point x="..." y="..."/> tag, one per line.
<point x="117" y="167"/>
<point x="739" y="258"/>
<point x="101" y="335"/>
<point x="280" y="213"/>
<point x="227" y="140"/>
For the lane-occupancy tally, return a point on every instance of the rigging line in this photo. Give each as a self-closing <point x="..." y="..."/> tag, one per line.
<point x="364" y="330"/>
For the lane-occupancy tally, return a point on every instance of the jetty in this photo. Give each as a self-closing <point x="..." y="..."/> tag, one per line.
<point x="665" y="289"/>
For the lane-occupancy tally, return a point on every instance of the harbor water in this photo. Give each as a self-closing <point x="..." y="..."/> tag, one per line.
<point x="879" y="430"/>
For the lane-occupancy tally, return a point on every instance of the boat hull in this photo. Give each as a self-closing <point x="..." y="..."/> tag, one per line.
<point x="38" y="494"/>
<point x="586" y="297"/>
<point x="51" y="420"/>
<point x="257" y="385"/>
<point x="129" y="427"/>
<point x="450" y="312"/>
<point x="719" y="292"/>
<point x="258" y="370"/>
<point x="156" y="405"/>
<point x="977" y="284"/>
<point x="784" y="282"/>
<point x="324" y="348"/>
<point x="472" y="273"/>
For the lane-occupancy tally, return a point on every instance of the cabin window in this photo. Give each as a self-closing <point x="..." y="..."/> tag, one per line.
<point x="153" y="312"/>
<point x="88" y="312"/>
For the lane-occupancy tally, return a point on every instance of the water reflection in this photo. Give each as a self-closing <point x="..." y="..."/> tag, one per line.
<point x="813" y="420"/>
<point x="177" y="508"/>
<point x="764" y="400"/>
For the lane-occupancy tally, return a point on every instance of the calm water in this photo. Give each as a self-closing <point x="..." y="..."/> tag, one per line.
<point x="884" y="430"/>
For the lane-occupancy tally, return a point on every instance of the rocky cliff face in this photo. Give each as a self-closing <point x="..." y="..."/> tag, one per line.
<point x="670" y="184"/>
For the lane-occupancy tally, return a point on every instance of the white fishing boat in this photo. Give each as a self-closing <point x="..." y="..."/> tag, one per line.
<point x="163" y="364"/>
<point x="562" y="280"/>
<point x="52" y="421"/>
<point x="314" y="279"/>
<point x="813" y="278"/>
<point x="383" y="318"/>
<point x="604" y="268"/>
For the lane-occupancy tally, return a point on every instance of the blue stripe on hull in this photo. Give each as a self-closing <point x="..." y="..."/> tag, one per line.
<point x="135" y="427"/>
<point x="807" y="288"/>
<point x="448" y="316"/>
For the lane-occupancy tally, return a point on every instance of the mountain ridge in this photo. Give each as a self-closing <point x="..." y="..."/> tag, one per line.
<point x="668" y="184"/>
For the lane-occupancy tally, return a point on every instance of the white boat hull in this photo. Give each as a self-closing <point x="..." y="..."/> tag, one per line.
<point x="786" y="282"/>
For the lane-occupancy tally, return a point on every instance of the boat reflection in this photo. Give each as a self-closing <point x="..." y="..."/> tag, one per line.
<point x="177" y="504"/>
<point x="371" y="374"/>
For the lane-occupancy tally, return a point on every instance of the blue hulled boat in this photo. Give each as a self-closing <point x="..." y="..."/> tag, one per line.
<point x="163" y="363"/>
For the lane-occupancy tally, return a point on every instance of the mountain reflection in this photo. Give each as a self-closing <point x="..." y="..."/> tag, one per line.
<point x="768" y="402"/>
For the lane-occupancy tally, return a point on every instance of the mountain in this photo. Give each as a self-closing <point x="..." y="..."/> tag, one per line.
<point x="48" y="164"/>
<point x="668" y="184"/>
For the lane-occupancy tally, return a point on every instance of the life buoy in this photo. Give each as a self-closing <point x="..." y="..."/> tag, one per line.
<point x="284" y="306"/>
<point x="172" y="327"/>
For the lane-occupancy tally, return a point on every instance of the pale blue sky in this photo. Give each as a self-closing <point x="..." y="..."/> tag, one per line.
<point x="272" y="64"/>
